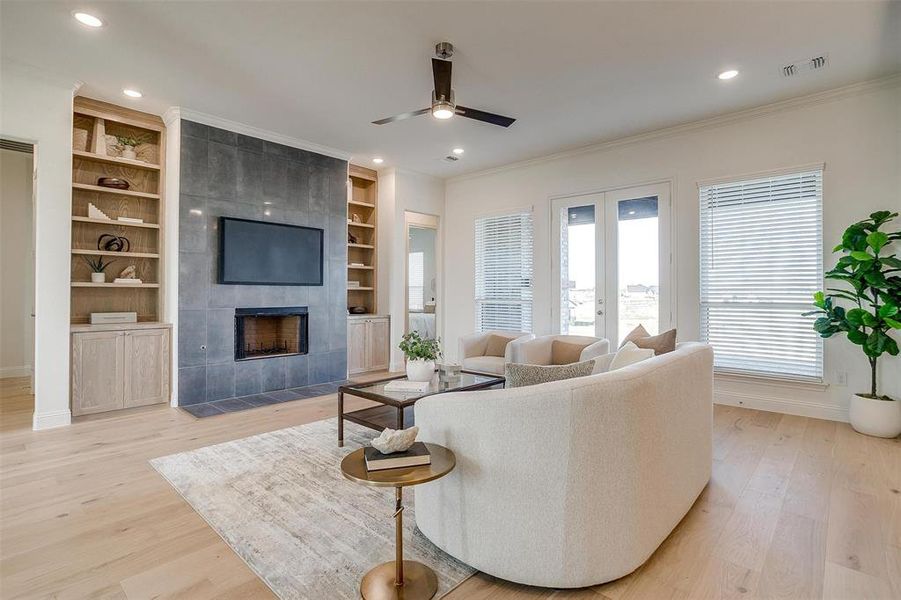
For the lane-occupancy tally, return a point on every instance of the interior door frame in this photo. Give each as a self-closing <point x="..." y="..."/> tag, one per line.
<point x="667" y="249"/>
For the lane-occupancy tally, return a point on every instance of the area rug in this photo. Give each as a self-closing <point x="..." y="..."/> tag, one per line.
<point x="280" y="501"/>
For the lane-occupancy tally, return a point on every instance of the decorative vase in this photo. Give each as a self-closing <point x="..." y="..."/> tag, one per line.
<point x="129" y="152"/>
<point x="879" y="418"/>
<point x="98" y="277"/>
<point x="420" y="369"/>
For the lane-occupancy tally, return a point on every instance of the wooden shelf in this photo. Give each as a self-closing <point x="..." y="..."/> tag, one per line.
<point x="358" y="203"/>
<point x="114" y="222"/>
<point x="369" y="246"/>
<point x="112" y="253"/>
<point x="115" y="160"/>
<point x="361" y="267"/>
<point x="105" y="190"/>
<point x="363" y="225"/>
<point x="90" y="284"/>
<point x="360" y="289"/>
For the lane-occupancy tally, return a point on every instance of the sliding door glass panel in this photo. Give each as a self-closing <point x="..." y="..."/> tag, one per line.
<point x="578" y="273"/>
<point x="638" y="265"/>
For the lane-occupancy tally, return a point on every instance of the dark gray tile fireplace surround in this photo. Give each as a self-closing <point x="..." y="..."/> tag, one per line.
<point x="227" y="174"/>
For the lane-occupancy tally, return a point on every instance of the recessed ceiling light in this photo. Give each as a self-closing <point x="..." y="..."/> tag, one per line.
<point x="631" y="212"/>
<point x="378" y="160"/>
<point x="267" y="212"/>
<point x="458" y="150"/>
<point x="728" y="74"/>
<point x="86" y="19"/>
<point x="132" y="93"/>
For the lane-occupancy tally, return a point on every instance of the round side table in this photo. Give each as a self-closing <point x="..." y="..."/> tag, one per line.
<point x="399" y="579"/>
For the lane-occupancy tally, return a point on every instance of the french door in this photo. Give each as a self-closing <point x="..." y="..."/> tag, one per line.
<point x="611" y="262"/>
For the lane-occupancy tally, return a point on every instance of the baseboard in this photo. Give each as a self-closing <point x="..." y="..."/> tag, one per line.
<point x="15" y="372"/>
<point x="49" y="420"/>
<point x="799" y="408"/>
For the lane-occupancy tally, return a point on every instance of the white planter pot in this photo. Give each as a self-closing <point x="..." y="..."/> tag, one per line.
<point x="420" y="370"/>
<point x="880" y="418"/>
<point x="129" y="152"/>
<point x="98" y="277"/>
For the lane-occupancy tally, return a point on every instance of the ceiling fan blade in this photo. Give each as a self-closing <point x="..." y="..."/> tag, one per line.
<point x="401" y="116"/>
<point x="481" y="115"/>
<point x="441" y="71"/>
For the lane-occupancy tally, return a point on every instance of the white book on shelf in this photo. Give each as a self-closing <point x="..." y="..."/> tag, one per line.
<point x="129" y="220"/>
<point x="127" y="281"/>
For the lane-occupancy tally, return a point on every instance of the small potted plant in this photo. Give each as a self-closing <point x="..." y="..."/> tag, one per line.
<point x="873" y="275"/>
<point x="128" y="143"/>
<point x="98" y="268"/>
<point x="421" y="355"/>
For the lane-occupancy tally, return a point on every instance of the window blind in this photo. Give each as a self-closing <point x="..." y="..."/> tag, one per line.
<point x="503" y="272"/>
<point x="761" y="262"/>
<point x="415" y="282"/>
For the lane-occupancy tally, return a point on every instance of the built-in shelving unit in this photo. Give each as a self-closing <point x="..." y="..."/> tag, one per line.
<point x="362" y="230"/>
<point x="95" y="154"/>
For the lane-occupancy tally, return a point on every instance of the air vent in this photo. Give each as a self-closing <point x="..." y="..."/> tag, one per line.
<point x="807" y="65"/>
<point x="451" y="158"/>
<point x="16" y="146"/>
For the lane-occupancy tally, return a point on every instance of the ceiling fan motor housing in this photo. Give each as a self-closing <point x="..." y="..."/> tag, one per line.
<point x="444" y="50"/>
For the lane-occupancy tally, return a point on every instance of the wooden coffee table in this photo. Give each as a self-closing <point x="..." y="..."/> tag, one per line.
<point x="399" y="579"/>
<point x="396" y="411"/>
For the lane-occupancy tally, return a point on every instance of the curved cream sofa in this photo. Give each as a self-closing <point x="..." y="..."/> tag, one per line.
<point x="570" y="483"/>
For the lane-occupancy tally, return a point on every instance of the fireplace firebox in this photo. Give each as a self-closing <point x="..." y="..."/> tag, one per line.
<point x="269" y="332"/>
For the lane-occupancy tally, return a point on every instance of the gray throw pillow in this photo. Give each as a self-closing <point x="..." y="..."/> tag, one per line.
<point x="519" y="375"/>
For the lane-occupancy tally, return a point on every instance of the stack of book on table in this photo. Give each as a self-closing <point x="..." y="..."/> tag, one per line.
<point x="415" y="456"/>
<point x="407" y="387"/>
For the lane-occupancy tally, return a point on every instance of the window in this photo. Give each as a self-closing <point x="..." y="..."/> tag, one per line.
<point x="761" y="262"/>
<point x="504" y="272"/>
<point x="415" y="280"/>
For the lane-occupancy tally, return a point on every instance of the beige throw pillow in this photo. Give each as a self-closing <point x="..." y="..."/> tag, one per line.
<point x="497" y="345"/>
<point x="629" y="354"/>
<point x="565" y="353"/>
<point x="519" y="375"/>
<point x="660" y="344"/>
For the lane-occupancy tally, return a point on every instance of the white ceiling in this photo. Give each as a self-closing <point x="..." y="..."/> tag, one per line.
<point x="571" y="73"/>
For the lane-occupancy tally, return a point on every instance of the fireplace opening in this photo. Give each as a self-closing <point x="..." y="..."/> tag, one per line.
<point x="269" y="332"/>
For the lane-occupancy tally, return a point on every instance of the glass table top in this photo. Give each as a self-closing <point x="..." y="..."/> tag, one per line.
<point x="436" y="386"/>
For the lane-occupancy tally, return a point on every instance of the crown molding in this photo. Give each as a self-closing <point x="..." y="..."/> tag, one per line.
<point x="178" y="112"/>
<point x="718" y="121"/>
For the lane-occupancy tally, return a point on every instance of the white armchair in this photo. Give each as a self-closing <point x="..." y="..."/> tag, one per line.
<point x="477" y="355"/>
<point x="540" y="350"/>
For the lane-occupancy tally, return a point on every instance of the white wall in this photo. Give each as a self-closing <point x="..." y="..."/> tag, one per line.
<point x="16" y="263"/>
<point x="854" y="131"/>
<point x="37" y="108"/>
<point x="401" y="191"/>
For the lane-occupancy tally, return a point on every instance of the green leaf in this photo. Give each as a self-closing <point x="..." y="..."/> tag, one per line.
<point x="858" y="337"/>
<point x="875" y="279"/>
<point x="888" y="310"/>
<point x="877" y="240"/>
<point x="838" y="248"/>
<point x="892" y="323"/>
<point x="891" y="261"/>
<point x="822" y="324"/>
<point x="862" y="256"/>
<point x="819" y="299"/>
<point x="869" y="320"/>
<point x="891" y="346"/>
<point x="875" y="344"/>
<point x="855" y="316"/>
<point x="854" y="238"/>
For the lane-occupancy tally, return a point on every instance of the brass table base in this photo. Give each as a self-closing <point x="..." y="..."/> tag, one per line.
<point x="420" y="582"/>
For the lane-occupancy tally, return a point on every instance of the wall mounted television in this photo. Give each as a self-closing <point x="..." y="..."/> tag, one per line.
<point x="261" y="253"/>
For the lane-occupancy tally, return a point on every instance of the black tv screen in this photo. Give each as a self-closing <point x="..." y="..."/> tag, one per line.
<point x="260" y="253"/>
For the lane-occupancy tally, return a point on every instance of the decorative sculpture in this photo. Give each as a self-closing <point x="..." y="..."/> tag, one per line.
<point x="113" y="243"/>
<point x="129" y="272"/>
<point x="395" y="440"/>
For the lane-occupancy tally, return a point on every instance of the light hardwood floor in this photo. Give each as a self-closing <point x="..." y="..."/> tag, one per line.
<point x="797" y="508"/>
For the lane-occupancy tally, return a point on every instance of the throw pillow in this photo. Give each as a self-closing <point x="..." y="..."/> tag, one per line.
<point x="629" y="354"/>
<point x="497" y="345"/>
<point x="637" y="333"/>
<point x="565" y="353"/>
<point x="519" y="375"/>
<point x="660" y="344"/>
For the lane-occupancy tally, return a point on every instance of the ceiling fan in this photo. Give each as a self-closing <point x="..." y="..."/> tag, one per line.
<point x="444" y="105"/>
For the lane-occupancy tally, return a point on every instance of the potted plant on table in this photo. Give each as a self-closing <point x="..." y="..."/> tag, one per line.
<point x="421" y="355"/>
<point x="98" y="268"/>
<point x="872" y="275"/>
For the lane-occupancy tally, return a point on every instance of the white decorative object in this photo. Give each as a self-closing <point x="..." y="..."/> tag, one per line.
<point x="353" y="283"/>
<point x="128" y="272"/>
<point x="98" y="277"/>
<point x="879" y="418"/>
<point x="420" y="369"/>
<point x="407" y="387"/>
<point x="395" y="440"/>
<point x="630" y="354"/>
<point x="127" y="280"/>
<point x="96" y="213"/>
<point x="113" y="317"/>
<point x="129" y="152"/>
<point x="129" y="220"/>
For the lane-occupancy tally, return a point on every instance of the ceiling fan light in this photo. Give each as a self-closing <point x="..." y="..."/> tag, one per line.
<point x="442" y="110"/>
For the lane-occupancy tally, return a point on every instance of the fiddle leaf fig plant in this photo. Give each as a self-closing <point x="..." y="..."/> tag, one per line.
<point x="871" y="276"/>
